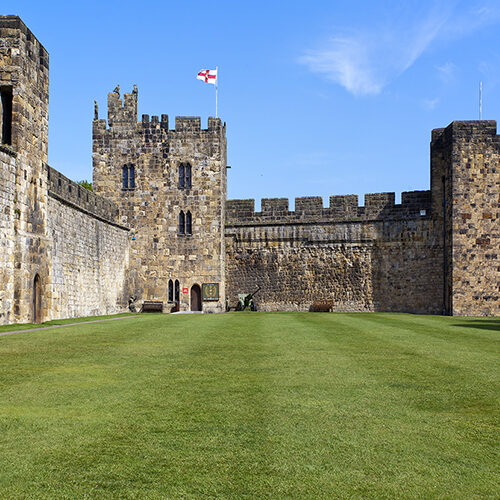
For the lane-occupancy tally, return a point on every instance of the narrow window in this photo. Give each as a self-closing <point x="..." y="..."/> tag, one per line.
<point x="187" y="176"/>
<point x="177" y="291"/>
<point x="188" y="223"/>
<point x="170" y="291"/>
<point x="125" y="177"/>
<point x="6" y="115"/>
<point x="182" y="223"/>
<point x="131" y="177"/>
<point x="181" y="175"/>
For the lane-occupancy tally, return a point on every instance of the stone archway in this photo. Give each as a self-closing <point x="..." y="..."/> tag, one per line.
<point x="37" y="300"/>
<point x="195" y="298"/>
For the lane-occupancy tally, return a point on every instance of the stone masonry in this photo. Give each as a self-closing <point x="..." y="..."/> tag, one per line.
<point x="161" y="252"/>
<point x="56" y="249"/>
<point x="159" y="228"/>
<point x="378" y="257"/>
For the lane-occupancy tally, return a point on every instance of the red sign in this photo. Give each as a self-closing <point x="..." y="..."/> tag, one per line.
<point x="185" y="290"/>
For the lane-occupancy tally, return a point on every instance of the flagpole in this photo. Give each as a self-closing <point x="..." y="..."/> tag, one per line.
<point x="480" y="100"/>
<point x="216" y="85"/>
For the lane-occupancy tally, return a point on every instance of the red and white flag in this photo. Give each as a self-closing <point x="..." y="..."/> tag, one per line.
<point x="208" y="76"/>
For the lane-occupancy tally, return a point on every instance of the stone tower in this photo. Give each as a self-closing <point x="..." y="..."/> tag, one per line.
<point x="170" y="187"/>
<point x="465" y="183"/>
<point x="24" y="97"/>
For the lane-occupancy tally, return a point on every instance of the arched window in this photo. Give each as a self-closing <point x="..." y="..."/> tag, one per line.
<point x="131" y="177"/>
<point x="128" y="177"/>
<point x="125" y="177"/>
<point x="37" y="300"/>
<point x="181" y="175"/>
<point x="177" y="291"/>
<point x="182" y="223"/>
<point x="170" y="291"/>
<point x="188" y="223"/>
<point x="184" y="175"/>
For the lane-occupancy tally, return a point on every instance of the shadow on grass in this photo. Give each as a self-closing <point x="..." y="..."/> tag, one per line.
<point x="493" y="324"/>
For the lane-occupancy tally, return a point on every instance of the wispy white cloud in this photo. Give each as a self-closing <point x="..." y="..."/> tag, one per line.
<point x="430" y="104"/>
<point x="446" y="71"/>
<point x="365" y="61"/>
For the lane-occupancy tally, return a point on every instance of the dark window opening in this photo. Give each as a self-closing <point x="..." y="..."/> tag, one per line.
<point x="182" y="223"/>
<point x="37" y="300"/>
<point x="177" y="291"/>
<point x="131" y="177"/>
<point x="181" y="175"/>
<point x="125" y="177"/>
<point x="128" y="177"/>
<point x="170" y="291"/>
<point x="184" y="175"/>
<point x="188" y="223"/>
<point x="6" y="115"/>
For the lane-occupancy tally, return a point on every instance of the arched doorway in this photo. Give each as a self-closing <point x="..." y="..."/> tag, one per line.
<point x="195" y="298"/>
<point x="37" y="300"/>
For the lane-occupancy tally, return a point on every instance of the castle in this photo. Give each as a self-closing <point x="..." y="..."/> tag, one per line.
<point x="158" y="225"/>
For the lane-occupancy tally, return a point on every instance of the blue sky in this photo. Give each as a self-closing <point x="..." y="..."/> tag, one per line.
<point x="320" y="97"/>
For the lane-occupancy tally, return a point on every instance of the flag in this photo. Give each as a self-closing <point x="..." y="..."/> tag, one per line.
<point x="208" y="76"/>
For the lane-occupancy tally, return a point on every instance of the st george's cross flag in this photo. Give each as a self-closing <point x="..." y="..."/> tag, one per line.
<point x="208" y="76"/>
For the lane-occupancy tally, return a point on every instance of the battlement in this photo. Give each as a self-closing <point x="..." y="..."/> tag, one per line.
<point x="480" y="129"/>
<point x="123" y="113"/>
<point x="343" y="208"/>
<point x="69" y="192"/>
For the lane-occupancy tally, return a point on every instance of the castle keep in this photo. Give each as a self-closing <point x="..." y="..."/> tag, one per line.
<point x="158" y="226"/>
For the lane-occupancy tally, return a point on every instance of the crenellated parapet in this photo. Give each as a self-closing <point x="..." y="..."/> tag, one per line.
<point x="122" y="115"/>
<point x="342" y="208"/>
<point x="71" y="193"/>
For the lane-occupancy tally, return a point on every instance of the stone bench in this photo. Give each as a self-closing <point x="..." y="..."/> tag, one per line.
<point x="321" y="306"/>
<point x="152" y="306"/>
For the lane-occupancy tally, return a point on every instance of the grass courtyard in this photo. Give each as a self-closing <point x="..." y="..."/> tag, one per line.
<point x="252" y="405"/>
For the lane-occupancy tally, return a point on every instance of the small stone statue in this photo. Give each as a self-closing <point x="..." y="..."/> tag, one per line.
<point x="117" y="89"/>
<point x="135" y="92"/>
<point x="131" y="304"/>
<point x="96" y="111"/>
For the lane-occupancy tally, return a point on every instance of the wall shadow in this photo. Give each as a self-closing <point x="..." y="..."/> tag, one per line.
<point x="493" y="325"/>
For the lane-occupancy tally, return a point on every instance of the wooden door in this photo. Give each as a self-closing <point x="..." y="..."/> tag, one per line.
<point x="195" y="298"/>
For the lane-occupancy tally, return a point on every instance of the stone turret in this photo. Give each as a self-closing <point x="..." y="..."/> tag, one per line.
<point x="24" y="96"/>
<point x="170" y="186"/>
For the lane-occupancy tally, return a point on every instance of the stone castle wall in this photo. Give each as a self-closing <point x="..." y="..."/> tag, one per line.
<point x="61" y="254"/>
<point x="159" y="252"/>
<point x="7" y="235"/>
<point x="466" y="168"/>
<point x="24" y="76"/>
<point x="379" y="257"/>
<point x="89" y="251"/>
<point x="66" y="252"/>
<point x="89" y="260"/>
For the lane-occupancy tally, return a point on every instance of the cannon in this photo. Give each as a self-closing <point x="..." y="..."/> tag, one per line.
<point x="245" y="301"/>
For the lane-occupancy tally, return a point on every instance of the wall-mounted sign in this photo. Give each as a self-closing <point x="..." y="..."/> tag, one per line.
<point x="210" y="291"/>
<point x="185" y="290"/>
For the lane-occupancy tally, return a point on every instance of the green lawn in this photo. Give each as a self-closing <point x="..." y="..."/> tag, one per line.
<point x="252" y="405"/>
<point x="57" y="322"/>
